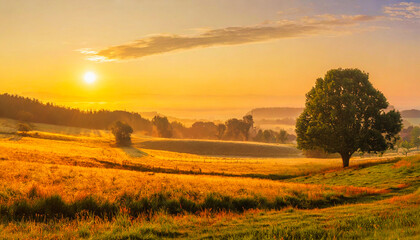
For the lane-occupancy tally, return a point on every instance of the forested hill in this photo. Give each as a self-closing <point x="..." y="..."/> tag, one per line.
<point x="413" y="113"/>
<point x="286" y="112"/>
<point x="32" y="110"/>
<point x="275" y="112"/>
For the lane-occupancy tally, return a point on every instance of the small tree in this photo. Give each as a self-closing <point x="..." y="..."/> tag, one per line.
<point x="415" y="137"/>
<point x="406" y="146"/>
<point x="23" y="127"/>
<point x="204" y="130"/>
<point x="249" y="123"/>
<point x="122" y="133"/>
<point x="236" y="129"/>
<point x="282" y="136"/>
<point x="179" y="130"/>
<point x="344" y="113"/>
<point x="221" y="128"/>
<point x="269" y="136"/>
<point x="163" y="127"/>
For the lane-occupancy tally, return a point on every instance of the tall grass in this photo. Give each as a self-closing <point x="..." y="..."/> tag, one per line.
<point x="380" y="220"/>
<point x="41" y="208"/>
<point x="379" y="226"/>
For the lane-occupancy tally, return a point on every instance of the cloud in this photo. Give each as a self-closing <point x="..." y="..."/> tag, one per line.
<point x="403" y="10"/>
<point x="163" y="43"/>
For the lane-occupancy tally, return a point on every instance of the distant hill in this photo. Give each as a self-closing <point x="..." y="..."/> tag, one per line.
<point x="148" y="115"/>
<point x="32" y="110"/>
<point x="288" y="112"/>
<point x="275" y="113"/>
<point x="413" y="113"/>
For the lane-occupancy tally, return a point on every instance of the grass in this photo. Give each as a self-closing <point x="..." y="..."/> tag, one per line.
<point x="42" y="208"/>
<point x="396" y="174"/>
<point x="386" y="219"/>
<point x="98" y="152"/>
<point x="17" y="178"/>
<point x="62" y="183"/>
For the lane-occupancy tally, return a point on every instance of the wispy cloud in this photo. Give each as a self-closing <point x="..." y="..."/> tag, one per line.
<point x="159" y="44"/>
<point x="403" y="10"/>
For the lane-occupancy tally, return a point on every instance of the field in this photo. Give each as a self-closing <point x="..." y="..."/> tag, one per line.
<point x="69" y="183"/>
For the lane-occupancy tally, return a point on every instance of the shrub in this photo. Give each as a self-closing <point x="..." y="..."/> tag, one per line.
<point x="188" y="205"/>
<point x="24" y="127"/>
<point x="20" y="210"/>
<point x="52" y="206"/>
<point x="122" y="133"/>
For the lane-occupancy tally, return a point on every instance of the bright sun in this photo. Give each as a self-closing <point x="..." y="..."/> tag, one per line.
<point x="89" y="77"/>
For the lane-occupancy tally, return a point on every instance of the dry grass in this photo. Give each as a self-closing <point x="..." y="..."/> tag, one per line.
<point x="402" y="163"/>
<point x="77" y="146"/>
<point x="98" y="152"/>
<point x="389" y="219"/>
<point x="76" y="163"/>
<point x="72" y="182"/>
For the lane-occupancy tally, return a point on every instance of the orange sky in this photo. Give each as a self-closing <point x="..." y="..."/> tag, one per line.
<point x="212" y="59"/>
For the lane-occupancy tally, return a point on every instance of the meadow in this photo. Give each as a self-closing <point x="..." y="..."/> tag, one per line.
<point x="69" y="183"/>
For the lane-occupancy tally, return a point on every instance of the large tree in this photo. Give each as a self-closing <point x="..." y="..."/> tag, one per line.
<point x="344" y="113"/>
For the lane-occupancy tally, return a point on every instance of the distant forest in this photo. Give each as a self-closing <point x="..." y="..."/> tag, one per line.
<point x="32" y="110"/>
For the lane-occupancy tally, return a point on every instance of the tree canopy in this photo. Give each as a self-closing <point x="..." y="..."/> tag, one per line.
<point x="344" y="113"/>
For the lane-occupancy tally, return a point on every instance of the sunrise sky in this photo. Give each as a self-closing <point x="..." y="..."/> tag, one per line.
<point x="204" y="58"/>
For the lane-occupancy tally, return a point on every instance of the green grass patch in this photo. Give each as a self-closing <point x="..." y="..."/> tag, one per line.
<point x="399" y="174"/>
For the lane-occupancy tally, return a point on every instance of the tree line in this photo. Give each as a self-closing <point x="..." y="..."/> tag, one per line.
<point x="410" y="138"/>
<point x="233" y="129"/>
<point x="32" y="110"/>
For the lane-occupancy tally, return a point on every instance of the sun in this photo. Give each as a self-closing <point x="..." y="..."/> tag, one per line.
<point x="89" y="77"/>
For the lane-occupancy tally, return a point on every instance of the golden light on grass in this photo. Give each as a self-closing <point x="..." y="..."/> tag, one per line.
<point x="89" y="77"/>
<point x="73" y="166"/>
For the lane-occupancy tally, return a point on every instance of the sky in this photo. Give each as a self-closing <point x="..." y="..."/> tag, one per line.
<point x="204" y="58"/>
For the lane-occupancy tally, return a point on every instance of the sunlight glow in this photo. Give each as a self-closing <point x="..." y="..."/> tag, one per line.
<point x="89" y="77"/>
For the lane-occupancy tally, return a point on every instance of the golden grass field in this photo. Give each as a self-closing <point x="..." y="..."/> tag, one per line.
<point x="77" y="163"/>
<point x="96" y="148"/>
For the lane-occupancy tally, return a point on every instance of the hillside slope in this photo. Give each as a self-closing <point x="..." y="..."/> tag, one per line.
<point x="221" y="148"/>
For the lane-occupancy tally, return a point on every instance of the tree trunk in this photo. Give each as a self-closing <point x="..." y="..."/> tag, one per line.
<point x="346" y="159"/>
